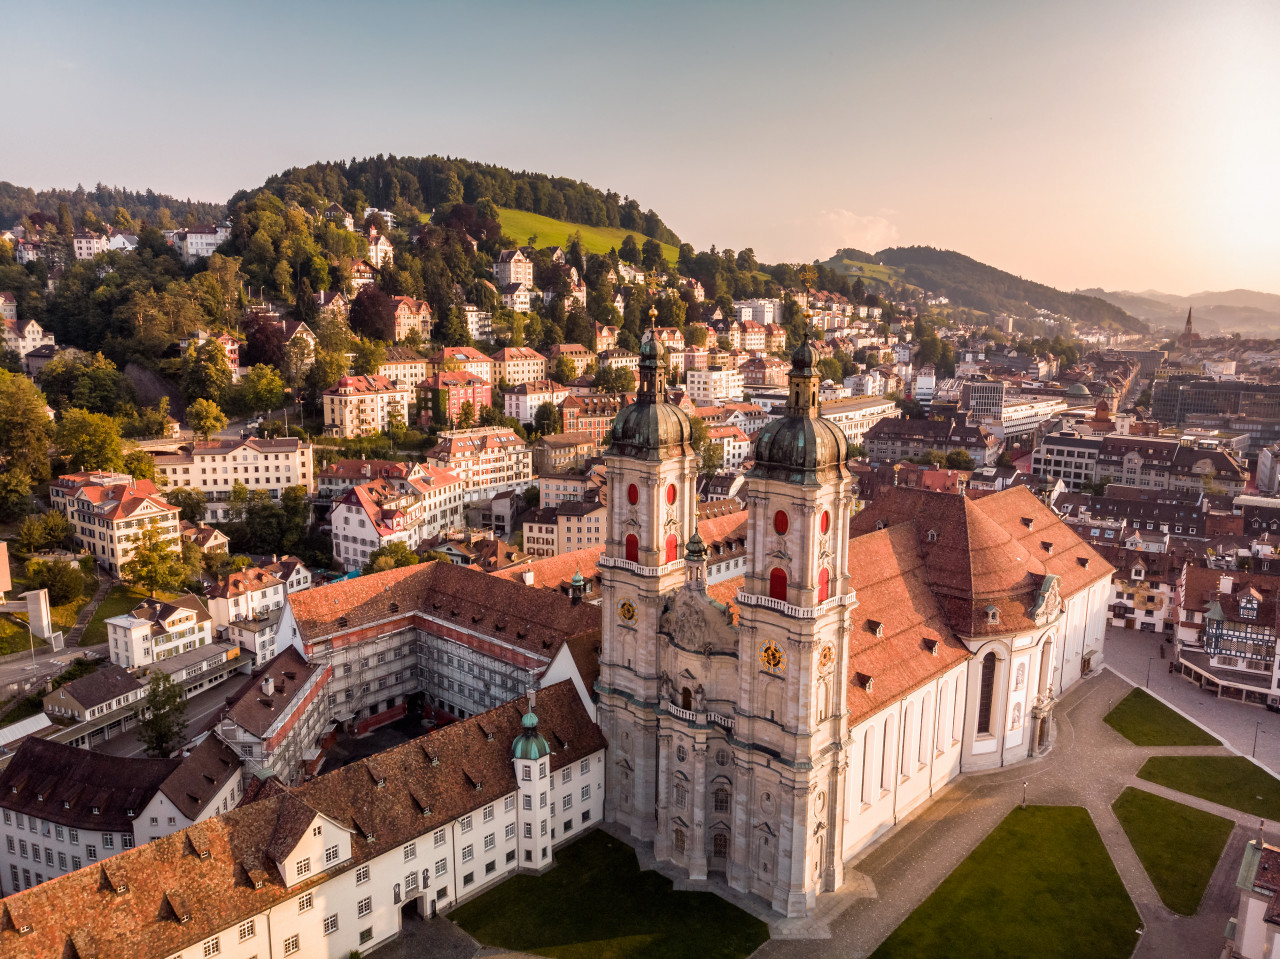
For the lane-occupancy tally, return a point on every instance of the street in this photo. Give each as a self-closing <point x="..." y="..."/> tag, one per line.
<point x="201" y="709"/>
<point x="1135" y="656"/>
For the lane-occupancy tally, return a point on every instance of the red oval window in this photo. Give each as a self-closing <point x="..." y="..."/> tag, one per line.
<point x="633" y="549"/>
<point x="671" y="493"/>
<point x="781" y="523"/>
<point x="825" y="522"/>
<point x="778" y="584"/>
<point x="633" y="494"/>
<point x="824" y="584"/>
<point x="672" y="547"/>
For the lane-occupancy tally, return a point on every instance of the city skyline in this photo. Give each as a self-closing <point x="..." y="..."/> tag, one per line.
<point x="1090" y="146"/>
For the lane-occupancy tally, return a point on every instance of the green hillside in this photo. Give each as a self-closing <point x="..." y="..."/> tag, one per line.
<point x="977" y="286"/>
<point x="853" y="263"/>
<point x="520" y="225"/>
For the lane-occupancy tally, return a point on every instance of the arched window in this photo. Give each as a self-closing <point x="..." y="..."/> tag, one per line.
<point x="824" y="524"/>
<point x="822" y="696"/>
<point x="686" y="698"/>
<point x="778" y="583"/>
<point x="907" y="716"/>
<point x="720" y="800"/>
<point x="986" y="693"/>
<point x="781" y="522"/>
<point x="958" y="707"/>
<point x="633" y="548"/>
<point x="886" y="756"/>
<point x="679" y="842"/>
<point x="942" y="715"/>
<point x="720" y="845"/>
<point x="824" y="584"/>
<point x="633" y="494"/>
<point x="868" y="763"/>
<point x="672" y="547"/>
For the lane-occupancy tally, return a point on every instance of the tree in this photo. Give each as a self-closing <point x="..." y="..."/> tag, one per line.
<point x="548" y="419"/>
<point x="206" y="372"/>
<point x="373" y="314"/>
<point x="959" y="460"/>
<point x="89" y="441"/>
<point x="565" y="370"/>
<point x="615" y="379"/>
<point x="265" y="344"/>
<point x="392" y="556"/>
<point x="830" y="369"/>
<point x="629" y="252"/>
<point x="262" y="389"/>
<point x="15" y="493"/>
<point x="140" y="465"/>
<point x="206" y="418"/>
<point x="370" y="354"/>
<point x="651" y="257"/>
<point x="25" y="429"/>
<point x="189" y="502"/>
<point x="64" y="581"/>
<point x="164" y="721"/>
<point x="467" y="415"/>
<point x="156" y="563"/>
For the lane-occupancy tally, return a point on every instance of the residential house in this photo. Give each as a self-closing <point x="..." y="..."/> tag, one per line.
<point x="733" y="442"/>
<point x="489" y="459"/>
<point x="558" y="452"/>
<point x="108" y="511"/>
<point x="381" y="252"/>
<point x="706" y="387"/>
<point x="442" y="396"/>
<point x="216" y="466"/>
<point x="579" y="355"/>
<point x="410" y="315"/>
<point x="403" y="366"/>
<point x="157" y="629"/>
<point x="462" y="358"/>
<point x="364" y="406"/>
<point x="891" y="440"/>
<point x="513" y="267"/>
<point x="338" y="477"/>
<point x="518" y="364"/>
<point x="592" y="413"/>
<point x="523" y="401"/>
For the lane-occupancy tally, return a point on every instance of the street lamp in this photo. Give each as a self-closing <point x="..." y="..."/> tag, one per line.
<point x="1256" y="726"/>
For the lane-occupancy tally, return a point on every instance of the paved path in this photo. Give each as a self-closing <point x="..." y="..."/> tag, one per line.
<point x="86" y="613"/>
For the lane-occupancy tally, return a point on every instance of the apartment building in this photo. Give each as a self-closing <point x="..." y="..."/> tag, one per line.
<point x="411" y="315"/>
<point x="442" y="395"/>
<point x="593" y="413"/>
<point x="341" y="475"/>
<point x="23" y="336"/>
<point x="108" y="511"/>
<point x="556" y="488"/>
<point x="1157" y="463"/>
<point x="158" y="629"/>
<point x="891" y="440"/>
<point x="402" y="365"/>
<point x="577" y="354"/>
<point x="364" y="406"/>
<point x="714" y="384"/>
<point x="518" y="364"/>
<point x="512" y="266"/>
<point x="479" y="322"/>
<point x="413" y="510"/>
<point x="216" y="466"/>
<point x="87" y="245"/>
<point x="1067" y="456"/>
<point x="858" y="414"/>
<point x="734" y="444"/>
<point x="489" y="459"/>
<point x="523" y="401"/>
<point x="462" y="358"/>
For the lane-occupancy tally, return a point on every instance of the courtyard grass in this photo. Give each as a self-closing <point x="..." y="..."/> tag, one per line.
<point x="1179" y="846"/>
<point x="1042" y="884"/>
<point x="1231" y="781"/>
<point x="612" y="911"/>
<point x="119" y="600"/>
<point x="1145" y="721"/>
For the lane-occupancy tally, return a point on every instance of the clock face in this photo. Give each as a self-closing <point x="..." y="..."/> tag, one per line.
<point x="772" y="658"/>
<point x="627" y="611"/>
<point x="826" y="658"/>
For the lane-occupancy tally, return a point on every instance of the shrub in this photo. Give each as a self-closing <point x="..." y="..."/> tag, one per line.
<point x="64" y="581"/>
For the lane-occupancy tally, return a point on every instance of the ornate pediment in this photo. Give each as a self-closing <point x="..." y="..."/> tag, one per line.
<point x="693" y="623"/>
<point x="1048" y="602"/>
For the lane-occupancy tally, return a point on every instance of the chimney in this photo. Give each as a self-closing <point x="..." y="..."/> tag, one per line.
<point x="1224" y="585"/>
<point x="527" y="576"/>
<point x="268" y="686"/>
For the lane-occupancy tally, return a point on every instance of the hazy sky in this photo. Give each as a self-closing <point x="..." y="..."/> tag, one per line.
<point x="1118" y="144"/>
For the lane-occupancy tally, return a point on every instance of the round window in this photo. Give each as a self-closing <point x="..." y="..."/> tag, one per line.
<point x="633" y="494"/>
<point x="825" y="523"/>
<point x="722" y="757"/>
<point x="681" y="753"/>
<point x="671" y="494"/>
<point x="781" y="523"/>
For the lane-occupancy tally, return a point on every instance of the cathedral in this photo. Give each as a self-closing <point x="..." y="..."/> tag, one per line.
<point x="866" y="660"/>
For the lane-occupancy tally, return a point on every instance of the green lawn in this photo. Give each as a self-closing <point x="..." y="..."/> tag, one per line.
<point x="1231" y="781"/>
<point x="1042" y="884"/>
<point x="120" y="600"/>
<point x="520" y="225"/>
<point x="1145" y="721"/>
<point x="597" y="904"/>
<point x="1179" y="846"/>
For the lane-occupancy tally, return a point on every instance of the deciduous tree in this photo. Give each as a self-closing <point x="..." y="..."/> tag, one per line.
<point x="206" y="418"/>
<point x="25" y="429"/>
<point x="392" y="556"/>
<point x="164" y="721"/>
<point x="189" y="501"/>
<point x="156" y="563"/>
<point x="89" y="441"/>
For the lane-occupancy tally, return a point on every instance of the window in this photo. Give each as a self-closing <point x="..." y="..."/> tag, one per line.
<point x="681" y="796"/>
<point x="331" y="855"/>
<point x="364" y="907"/>
<point x="509" y="804"/>
<point x="986" y="692"/>
<point x="74" y="835"/>
<point x="410" y="851"/>
<point x="527" y="801"/>
<point x="304" y="902"/>
<point x="510" y="832"/>
<point x="467" y="852"/>
<point x="438" y="838"/>
<point x="291" y="945"/>
<point x="465" y="823"/>
<point x="330" y="924"/>
<point x="824" y="585"/>
<point x="365" y="936"/>
<point x="362" y="875"/>
<point x="632" y="548"/>
<point x="91" y="851"/>
<point x="303" y="867"/>
<point x="528" y="830"/>
<point x="488" y="813"/>
<point x="442" y="866"/>
<point x="673" y="548"/>
<point x="247" y="930"/>
<point x="212" y="946"/>
<point x="778" y="583"/>
<point x="586" y="793"/>
<point x="721" y="800"/>
<point x="584" y="767"/>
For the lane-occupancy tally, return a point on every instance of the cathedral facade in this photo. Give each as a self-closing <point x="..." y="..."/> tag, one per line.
<point x="866" y="661"/>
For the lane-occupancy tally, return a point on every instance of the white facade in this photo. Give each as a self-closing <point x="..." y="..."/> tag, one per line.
<point x="157" y="630"/>
<point x="216" y="467"/>
<point x="714" y="385"/>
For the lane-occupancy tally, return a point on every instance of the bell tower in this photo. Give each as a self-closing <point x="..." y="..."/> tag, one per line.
<point x="652" y="513"/>
<point x="794" y="605"/>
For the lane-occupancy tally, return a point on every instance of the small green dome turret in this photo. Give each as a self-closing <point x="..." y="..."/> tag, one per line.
<point x="530" y="744"/>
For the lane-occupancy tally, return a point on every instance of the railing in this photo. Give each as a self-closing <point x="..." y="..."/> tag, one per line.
<point x="728" y="722"/>
<point x="799" y="612"/>
<point x="627" y="564"/>
<point x="688" y="715"/>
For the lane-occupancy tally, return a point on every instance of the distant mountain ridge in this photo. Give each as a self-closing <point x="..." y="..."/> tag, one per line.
<point x="1249" y="312"/>
<point x="977" y="286"/>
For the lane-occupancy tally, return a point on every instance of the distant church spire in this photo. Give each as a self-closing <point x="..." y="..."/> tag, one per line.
<point x="1187" y="331"/>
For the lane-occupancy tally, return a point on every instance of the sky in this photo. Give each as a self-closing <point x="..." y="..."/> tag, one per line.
<point x="1121" y="144"/>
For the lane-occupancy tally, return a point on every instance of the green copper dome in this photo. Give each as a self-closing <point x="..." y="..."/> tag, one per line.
<point x="530" y="744"/>
<point x="651" y="428"/>
<point x="800" y="446"/>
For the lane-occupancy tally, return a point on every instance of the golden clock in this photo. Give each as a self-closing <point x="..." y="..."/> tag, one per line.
<point x="627" y="611"/>
<point x="772" y="658"/>
<point x="826" y="658"/>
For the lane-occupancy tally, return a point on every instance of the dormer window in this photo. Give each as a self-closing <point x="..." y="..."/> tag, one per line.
<point x="932" y="536"/>
<point x="1138" y="572"/>
<point x="993" y="615"/>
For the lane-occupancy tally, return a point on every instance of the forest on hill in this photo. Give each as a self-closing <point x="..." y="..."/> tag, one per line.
<point x="968" y="283"/>
<point x="103" y="203"/>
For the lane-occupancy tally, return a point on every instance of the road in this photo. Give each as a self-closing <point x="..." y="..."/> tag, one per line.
<point x="14" y="676"/>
